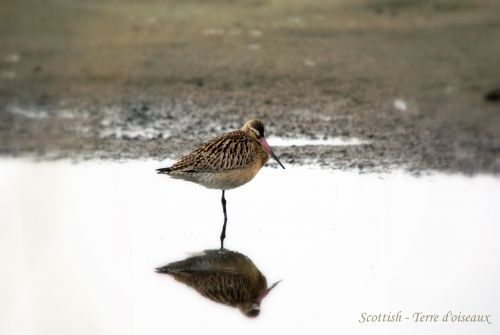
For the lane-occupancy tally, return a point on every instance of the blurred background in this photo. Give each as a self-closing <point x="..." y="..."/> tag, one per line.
<point x="144" y="79"/>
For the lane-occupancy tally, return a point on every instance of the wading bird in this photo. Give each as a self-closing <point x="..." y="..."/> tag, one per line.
<point x="224" y="276"/>
<point x="225" y="162"/>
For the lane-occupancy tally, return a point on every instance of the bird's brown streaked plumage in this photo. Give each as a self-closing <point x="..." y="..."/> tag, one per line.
<point x="230" y="151"/>
<point x="225" y="162"/>
<point x="223" y="276"/>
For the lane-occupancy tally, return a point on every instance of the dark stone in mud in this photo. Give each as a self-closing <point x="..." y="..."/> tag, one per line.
<point x="493" y="95"/>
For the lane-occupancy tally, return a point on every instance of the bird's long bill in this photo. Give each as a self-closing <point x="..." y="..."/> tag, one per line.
<point x="266" y="147"/>
<point x="266" y="292"/>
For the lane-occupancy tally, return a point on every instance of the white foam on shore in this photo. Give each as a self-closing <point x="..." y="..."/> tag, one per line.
<point x="29" y="113"/>
<point x="131" y="132"/>
<point x="336" y="141"/>
<point x="79" y="244"/>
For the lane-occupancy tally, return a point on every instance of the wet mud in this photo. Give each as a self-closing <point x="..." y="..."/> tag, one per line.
<point x="119" y="80"/>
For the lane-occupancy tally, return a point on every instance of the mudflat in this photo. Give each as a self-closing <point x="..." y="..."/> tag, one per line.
<point x="151" y="79"/>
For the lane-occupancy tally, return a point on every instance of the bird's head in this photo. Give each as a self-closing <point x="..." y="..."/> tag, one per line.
<point x="252" y="308"/>
<point x="255" y="129"/>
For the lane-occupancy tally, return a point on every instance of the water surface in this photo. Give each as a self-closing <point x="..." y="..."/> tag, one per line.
<point x="79" y="244"/>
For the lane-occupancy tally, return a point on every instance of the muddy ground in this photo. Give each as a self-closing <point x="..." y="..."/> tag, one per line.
<point x="150" y="79"/>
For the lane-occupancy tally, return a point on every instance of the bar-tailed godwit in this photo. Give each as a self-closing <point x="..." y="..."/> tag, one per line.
<point x="224" y="276"/>
<point x="225" y="162"/>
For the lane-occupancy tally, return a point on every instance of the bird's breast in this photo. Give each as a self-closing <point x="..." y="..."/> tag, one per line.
<point x="230" y="179"/>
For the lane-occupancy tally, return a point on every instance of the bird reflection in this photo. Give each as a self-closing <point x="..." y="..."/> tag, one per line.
<point x="223" y="276"/>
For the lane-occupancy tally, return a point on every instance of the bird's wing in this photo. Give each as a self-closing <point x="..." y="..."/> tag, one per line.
<point x="225" y="288"/>
<point x="230" y="151"/>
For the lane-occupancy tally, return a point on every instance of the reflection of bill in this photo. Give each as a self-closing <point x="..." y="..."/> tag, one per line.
<point x="223" y="276"/>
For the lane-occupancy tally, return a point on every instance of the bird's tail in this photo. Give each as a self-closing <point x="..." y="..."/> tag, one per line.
<point x="163" y="269"/>
<point x="173" y="268"/>
<point x="164" y="170"/>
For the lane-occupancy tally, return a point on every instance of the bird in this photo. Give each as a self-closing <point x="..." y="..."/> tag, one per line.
<point x="225" y="162"/>
<point x="224" y="276"/>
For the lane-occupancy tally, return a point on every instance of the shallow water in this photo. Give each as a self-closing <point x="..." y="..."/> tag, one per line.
<point x="79" y="244"/>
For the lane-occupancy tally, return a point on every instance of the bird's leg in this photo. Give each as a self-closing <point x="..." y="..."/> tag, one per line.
<point x="223" y="234"/>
